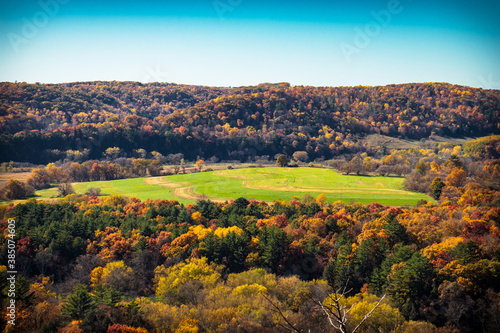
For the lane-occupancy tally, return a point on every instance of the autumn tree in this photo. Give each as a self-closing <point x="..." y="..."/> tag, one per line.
<point x="320" y="200"/>
<point x="39" y="179"/>
<point x="421" y="167"/>
<point x="142" y="153"/>
<point x="200" y="164"/>
<point x="456" y="178"/>
<point x="56" y="174"/>
<point x="113" y="152"/>
<point x="154" y="167"/>
<point x="301" y="156"/>
<point x="65" y="189"/>
<point x="368" y="164"/>
<point x="360" y="312"/>
<point x="176" y="169"/>
<point x="114" y="274"/>
<point x="16" y="190"/>
<point x="282" y="161"/>
<point x="182" y="281"/>
<point x="157" y="155"/>
<point x="356" y="165"/>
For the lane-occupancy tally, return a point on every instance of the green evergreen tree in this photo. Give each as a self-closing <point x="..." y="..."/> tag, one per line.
<point x="107" y="295"/>
<point x="396" y="232"/>
<point x="79" y="304"/>
<point x="409" y="282"/>
<point x="273" y="244"/>
<point x="399" y="254"/>
<point x="437" y="187"/>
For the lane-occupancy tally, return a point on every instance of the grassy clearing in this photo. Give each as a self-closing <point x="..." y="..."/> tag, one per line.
<point x="267" y="184"/>
<point x="135" y="187"/>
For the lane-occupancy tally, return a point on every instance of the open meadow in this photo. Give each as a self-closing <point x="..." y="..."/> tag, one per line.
<point x="264" y="184"/>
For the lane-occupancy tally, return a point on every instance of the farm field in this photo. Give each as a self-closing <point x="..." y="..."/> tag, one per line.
<point x="5" y="177"/>
<point x="265" y="184"/>
<point x="140" y="188"/>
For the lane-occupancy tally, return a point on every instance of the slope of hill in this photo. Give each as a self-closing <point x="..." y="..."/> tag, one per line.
<point x="40" y="123"/>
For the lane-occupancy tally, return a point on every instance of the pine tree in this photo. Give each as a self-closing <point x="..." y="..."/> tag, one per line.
<point x="273" y="243"/>
<point x="107" y="295"/>
<point x="437" y="187"/>
<point x="79" y="304"/>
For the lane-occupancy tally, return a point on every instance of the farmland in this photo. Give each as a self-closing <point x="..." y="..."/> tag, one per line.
<point x="265" y="184"/>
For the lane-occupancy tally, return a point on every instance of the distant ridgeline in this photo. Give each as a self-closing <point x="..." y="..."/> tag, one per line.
<point x="41" y="123"/>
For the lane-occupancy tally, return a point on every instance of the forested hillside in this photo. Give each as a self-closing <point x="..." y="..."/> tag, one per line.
<point x="42" y="123"/>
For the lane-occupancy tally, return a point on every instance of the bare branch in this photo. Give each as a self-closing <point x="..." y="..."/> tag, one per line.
<point x="368" y="314"/>
<point x="337" y="313"/>
<point x="337" y="320"/>
<point x="291" y="327"/>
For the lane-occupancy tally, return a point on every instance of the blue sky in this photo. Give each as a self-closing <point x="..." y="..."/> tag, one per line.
<point x="245" y="42"/>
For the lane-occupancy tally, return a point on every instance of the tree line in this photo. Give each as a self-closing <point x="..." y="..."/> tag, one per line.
<point x="92" y="170"/>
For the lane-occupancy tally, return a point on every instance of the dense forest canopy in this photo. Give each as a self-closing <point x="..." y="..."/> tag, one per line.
<point x="48" y="120"/>
<point x="231" y="267"/>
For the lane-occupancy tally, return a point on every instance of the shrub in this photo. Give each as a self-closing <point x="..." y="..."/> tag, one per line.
<point x="93" y="191"/>
<point x="16" y="190"/>
<point x="65" y="189"/>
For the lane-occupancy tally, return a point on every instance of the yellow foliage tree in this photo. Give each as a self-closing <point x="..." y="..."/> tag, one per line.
<point x="383" y="319"/>
<point x="169" y="280"/>
<point x="456" y="178"/>
<point x="249" y="290"/>
<point x="320" y="200"/>
<point x="188" y="325"/>
<point x="315" y="225"/>
<point x="96" y="276"/>
<point x="222" y="232"/>
<point x="185" y="239"/>
<point x="363" y="311"/>
<point x="432" y="252"/>
<point x="196" y="216"/>
<point x="200" y="231"/>
<point x="40" y="289"/>
<point x="114" y="274"/>
<point x="166" y="318"/>
<point x="200" y="164"/>
<point x="73" y="327"/>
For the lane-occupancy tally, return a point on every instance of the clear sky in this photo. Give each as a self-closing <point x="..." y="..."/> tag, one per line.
<point x="246" y="42"/>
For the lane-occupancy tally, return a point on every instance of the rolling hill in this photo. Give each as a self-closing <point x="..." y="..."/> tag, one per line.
<point x="40" y="123"/>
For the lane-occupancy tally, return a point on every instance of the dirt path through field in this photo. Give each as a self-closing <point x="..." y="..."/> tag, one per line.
<point x="180" y="190"/>
<point x="163" y="182"/>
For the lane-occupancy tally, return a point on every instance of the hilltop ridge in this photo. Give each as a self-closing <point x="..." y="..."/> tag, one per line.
<point x="40" y="122"/>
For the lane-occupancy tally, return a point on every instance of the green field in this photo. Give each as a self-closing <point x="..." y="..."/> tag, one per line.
<point x="266" y="184"/>
<point x="134" y="187"/>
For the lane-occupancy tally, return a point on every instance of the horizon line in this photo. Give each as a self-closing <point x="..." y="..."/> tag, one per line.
<point x="244" y="86"/>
